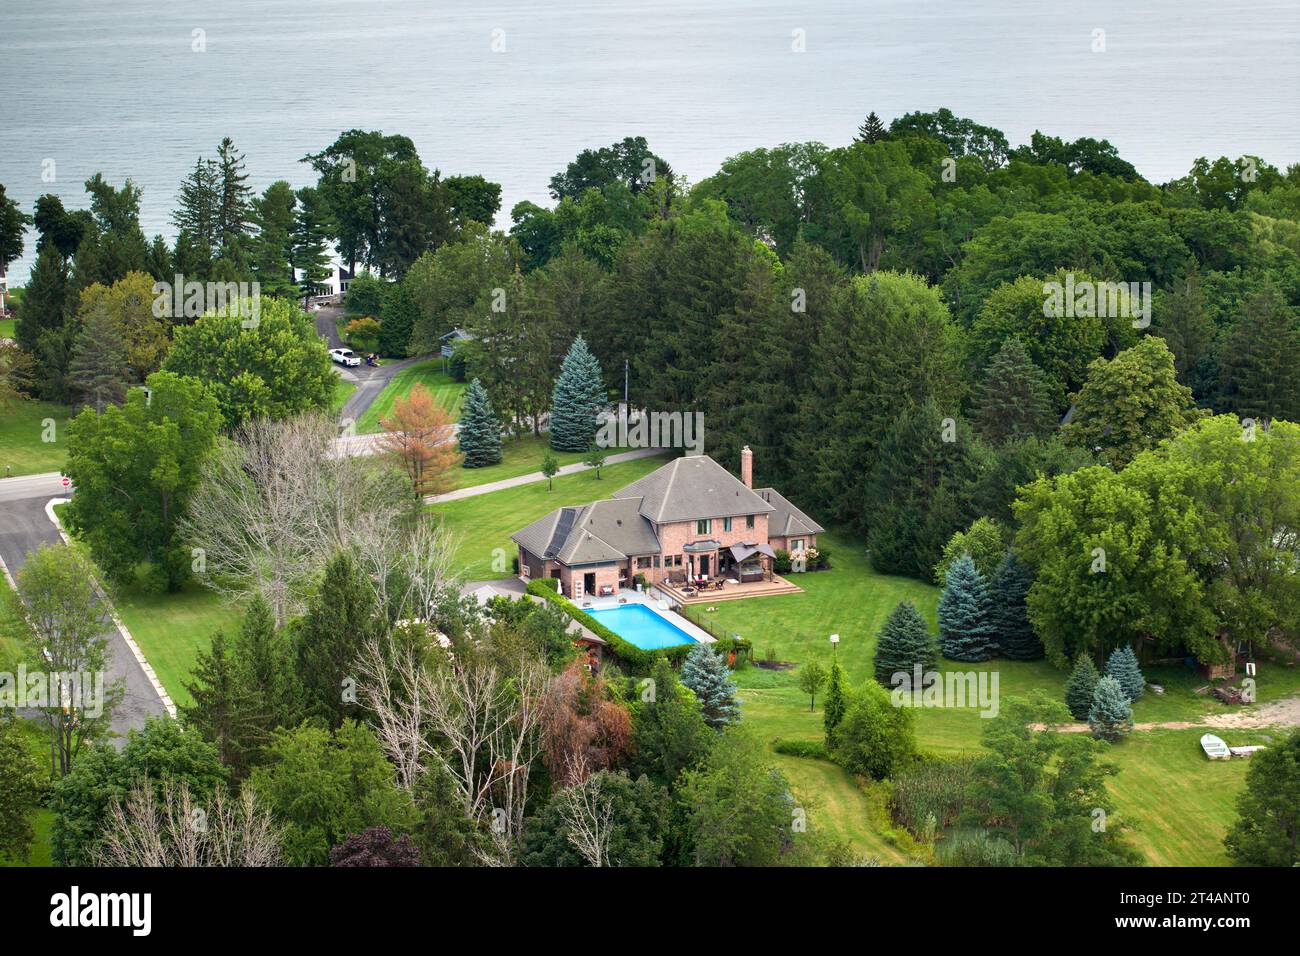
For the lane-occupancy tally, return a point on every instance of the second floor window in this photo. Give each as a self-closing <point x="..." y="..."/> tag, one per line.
<point x="749" y="521"/>
<point x="704" y="526"/>
<point x="726" y="524"/>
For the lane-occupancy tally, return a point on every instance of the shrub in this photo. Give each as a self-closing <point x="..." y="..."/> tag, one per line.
<point x="808" y="749"/>
<point x="975" y="848"/>
<point x="782" y="563"/>
<point x="875" y="738"/>
<point x="363" y="334"/>
<point x="936" y="788"/>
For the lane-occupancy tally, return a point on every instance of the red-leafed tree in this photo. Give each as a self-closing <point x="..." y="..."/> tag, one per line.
<point x="583" y="730"/>
<point x="375" y="846"/>
<point x="421" y="438"/>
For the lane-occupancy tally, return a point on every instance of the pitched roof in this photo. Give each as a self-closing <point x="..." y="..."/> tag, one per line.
<point x="607" y="530"/>
<point x="693" y="487"/>
<point x="785" y="519"/>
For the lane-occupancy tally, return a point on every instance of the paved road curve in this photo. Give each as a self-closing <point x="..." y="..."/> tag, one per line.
<point x="24" y="527"/>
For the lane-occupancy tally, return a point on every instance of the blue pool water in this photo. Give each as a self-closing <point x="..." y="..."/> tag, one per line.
<point x="641" y="627"/>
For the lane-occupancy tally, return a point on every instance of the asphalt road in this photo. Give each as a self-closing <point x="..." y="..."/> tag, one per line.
<point x="24" y="527"/>
<point x="370" y="381"/>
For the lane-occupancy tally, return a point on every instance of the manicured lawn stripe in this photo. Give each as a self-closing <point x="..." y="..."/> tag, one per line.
<point x="23" y="450"/>
<point x="446" y="392"/>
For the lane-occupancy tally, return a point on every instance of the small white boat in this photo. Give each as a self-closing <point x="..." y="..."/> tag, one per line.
<point x="1215" y="748"/>
<point x="1245" y="751"/>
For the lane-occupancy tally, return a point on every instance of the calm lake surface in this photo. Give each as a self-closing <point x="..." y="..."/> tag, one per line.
<point x="116" y="86"/>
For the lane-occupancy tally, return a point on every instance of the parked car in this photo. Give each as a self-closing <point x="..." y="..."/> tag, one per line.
<point x="345" y="357"/>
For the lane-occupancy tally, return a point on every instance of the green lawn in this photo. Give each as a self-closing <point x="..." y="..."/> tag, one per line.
<point x="1181" y="802"/>
<point x="172" y="628"/>
<point x="446" y="392"/>
<point x="484" y="523"/>
<point x="519" y="456"/>
<point x="7" y="328"/>
<point x="13" y="629"/>
<point x="343" y="390"/>
<point x="23" y="430"/>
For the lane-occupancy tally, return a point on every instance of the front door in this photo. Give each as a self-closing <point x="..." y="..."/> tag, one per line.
<point x="704" y="564"/>
<point x="589" y="583"/>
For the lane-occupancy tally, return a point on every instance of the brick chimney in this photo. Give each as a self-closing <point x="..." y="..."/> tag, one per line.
<point x="747" y="467"/>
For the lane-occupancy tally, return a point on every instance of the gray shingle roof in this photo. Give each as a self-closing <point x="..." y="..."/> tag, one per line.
<point x="611" y="529"/>
<point x="693" y="487"/>
<point x="785" y="519"/>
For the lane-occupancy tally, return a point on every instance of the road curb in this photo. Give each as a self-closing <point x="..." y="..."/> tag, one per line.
<point x="117" y="621"/>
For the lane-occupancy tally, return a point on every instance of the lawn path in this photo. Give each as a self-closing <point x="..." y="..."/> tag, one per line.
<point x="1281" y="713"/>
<point x="531" y="477"/>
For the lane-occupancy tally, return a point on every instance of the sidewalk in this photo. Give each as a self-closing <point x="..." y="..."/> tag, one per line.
<point x="531" y="477"/>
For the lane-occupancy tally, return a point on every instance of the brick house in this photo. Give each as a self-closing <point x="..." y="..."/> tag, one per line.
<point x="688" y="520"/>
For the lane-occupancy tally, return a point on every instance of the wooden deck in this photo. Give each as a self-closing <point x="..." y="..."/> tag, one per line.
<point x="731" y="592"/>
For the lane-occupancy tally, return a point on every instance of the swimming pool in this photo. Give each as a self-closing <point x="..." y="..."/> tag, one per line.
<point x="642" y="627"/>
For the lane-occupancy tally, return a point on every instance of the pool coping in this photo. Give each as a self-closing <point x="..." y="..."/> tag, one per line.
<point x="624" y="598"/>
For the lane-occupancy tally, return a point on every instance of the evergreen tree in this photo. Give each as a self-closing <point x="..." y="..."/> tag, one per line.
<point x="922" y="489"/>
<point x="1014" y="399"/>
<point x="98" y="371"/>
<point x="1008" y="589"/>
<point x="872" y="129"/>
<point x="198" y="211"/>
<point x="834" y="706"/>
<point x="1111" y="715"/>
<point x="1267" y="831"/>
<point x="579" y="395"/>
<point x="311" y="248"/>
<point x="965" y="631"/>
<point x="1080" y="687"/>
<point x="480" y="432"/>
<point x="903" y="643"/>
<point x="41" y="317"/>
<point x="234" y="210"/>
<point x="340" y="618"/>
<point x="220" y="708"/>
<point x="1259" y="360"/>
<point x="264" y="659"/>
<point x="705" y="673"/>
<point x="272" y="248"/>
<point x="1123" y="666"/>
<point x="1182" y="318"/>
<point x="397" y="319"/>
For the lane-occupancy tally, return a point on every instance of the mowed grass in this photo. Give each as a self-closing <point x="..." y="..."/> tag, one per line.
<point x="446" y="392"/>
<point x="483" y="524"/>
<point x="343" y="390"/>
<point x="24" y="426"/>
<point x="7" y="328"/>
<point x="519" y="456"/>
<point x="171" y="629"/>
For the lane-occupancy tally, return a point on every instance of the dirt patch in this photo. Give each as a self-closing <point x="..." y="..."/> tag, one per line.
<point x="776" y="665"/>
<point x="1282" y="713"/>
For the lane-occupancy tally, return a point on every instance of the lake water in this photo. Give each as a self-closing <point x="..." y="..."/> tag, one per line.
<point x="116" y="86"/>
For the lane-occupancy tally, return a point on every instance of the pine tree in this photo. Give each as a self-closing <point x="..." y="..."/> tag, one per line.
<point x="480" y="432"/>
<point x="272" y="247"/>
<point x="41" y="316"/>
<point x="1111" y="715"/>
<point x="903" y="643"/>
<point x="1008" y="613"/>
<point x="578" y="397"/>
<point x="965" y="632"/>
<point x="98" y="371"/>
<point x="263" y="656"/>
<point x="198" y="209"/>
<point x="1080" y="687"/>
<point x="1260" y="358"/>
<point x="705" y="673"/>
<point x="234" y="210"/>
<point x="311" y="247"/>
<point x="219" y="709"/>
<point x="834" y="706"/>
<point x="397" y="319"/>
<point x="1014" y="399"/>
<point x="340" y="618"/>
<point x="1182" y="319"/>
<point x="1123" y="666"/>
<point x="872" y="129"/>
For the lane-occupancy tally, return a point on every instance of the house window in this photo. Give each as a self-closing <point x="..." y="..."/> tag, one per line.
<point x="796" y="544"/>
<point x="677" y="560"/>
<point x="726" y="524"/>
<point x="656" y="560"/>
<point x="749" y="521"/>
<point x="704" y="526"/>
<point x="643" y="562"/>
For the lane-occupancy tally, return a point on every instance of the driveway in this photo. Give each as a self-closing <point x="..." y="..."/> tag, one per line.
<point x="369" y="381"/>
<point x="24" y="526"/>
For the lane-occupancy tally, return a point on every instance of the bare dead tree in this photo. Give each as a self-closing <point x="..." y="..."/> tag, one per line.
<point x="225" y="832"/>
<point x="587" y="814"/>
<point x="462" y="714"/>
<point x="277" y="501"/>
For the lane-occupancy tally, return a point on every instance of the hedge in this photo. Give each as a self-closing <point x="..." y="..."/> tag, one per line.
<point x="809" y="749"/>
<point x="637" y="660"/>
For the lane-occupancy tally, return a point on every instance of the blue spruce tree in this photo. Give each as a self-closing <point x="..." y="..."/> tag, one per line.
<point x="1123" y="666"/>
<point x="1111" y="714"/>
<point x="903" y="643"/>
<point x="1008" y="613"/>
<point x="705" y="673"/>
<point x="578" y="397"/>
<point x="480" y="432"/>
<point x="965" y="633"/>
